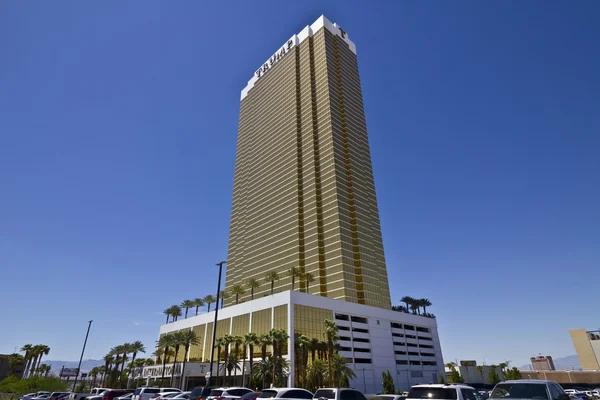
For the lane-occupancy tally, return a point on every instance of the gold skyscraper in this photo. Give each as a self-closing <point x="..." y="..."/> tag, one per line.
<point x="304" y="194"/>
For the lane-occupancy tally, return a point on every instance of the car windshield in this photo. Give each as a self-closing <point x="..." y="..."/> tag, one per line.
<point x="327" y="393"/>
<point x="432" y="393"/>
<point x="137" y="391"/>
<point x="169" y="395"/>
<point x="267" y="394"/>
<point x="520" y="391"/>
<point x="215" y="392"/>
<point x="250" y="395"/>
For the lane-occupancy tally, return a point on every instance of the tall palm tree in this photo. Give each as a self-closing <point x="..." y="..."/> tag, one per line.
<point x="188" y="338"/>
<point x="231" y="364"/>
<point x="408" y="301"/>
<point x="314" y="346"/>
<point x="415" y="307"/>
<point x="339" y="370"/>
<point x="308" y="278"/>
<point x="250" y="340"/>
<point x="425" y="303"/>
<point x="294" y="272"/>
<point x="126" y="349"/>
<point x="303" y="344"/>
<point x="187" y="304"/>
<point x="108" y="360"/>
<point x="101" y="371"/>
<point x="227" y="341"/>
<point x="315" y="373"/>
<point x="198" y="302"/>
<point x="237" y="291"/>
<point x="252" y="284"/>
<point x="28" y="357"/>
<point x="164" y="343"/>
<point x="175" y="312"/>
<point x="178" y="339"/>
<point x="135" y="348"/>
<point x="44" y="369"/>
<point x="210" y="299"/>
<point x="331" y="330"/>
<point x="278" y="337"/>
<point x="272" y="276"/>
<point x="218" y="344"/>
<point x="43" y="350"/>
<point x="224" y="296"/>
<point x="167" y="312"/>
<point x="265" y="340"/>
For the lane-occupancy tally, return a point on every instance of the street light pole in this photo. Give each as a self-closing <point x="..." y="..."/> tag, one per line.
<point x="364" y="381"/>
<point x="82" y="351"/>
<point x="214" y="333"/>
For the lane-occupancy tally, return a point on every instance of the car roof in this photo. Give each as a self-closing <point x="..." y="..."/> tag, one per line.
<point x="533" y="381"/>
<point x="441" y="385"/>
<point x="230" y="388"/>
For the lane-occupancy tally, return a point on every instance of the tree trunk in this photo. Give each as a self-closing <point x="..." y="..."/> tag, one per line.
<point x="129" y="374"/>
<point x="174" y="365"/>
<point x="183" y="367"/>
<point x="293" y="282"/>
<point x="167" y="319"/>
<point x="251" y="293"/>
<point x="274" y="358"/>
<point x="218" y="369"/>
<point x="272" y="285"/>
<point x="329" y="353"/>
<point x="209" y="307"/>
<point x="162" y="378"/>
<point x="197" y="310"/>
<point x="186" y="311"/>
<point x="251" y="348"/>
<point x="244" y="355"/>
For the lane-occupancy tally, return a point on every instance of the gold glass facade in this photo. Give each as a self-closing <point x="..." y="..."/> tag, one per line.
<point x="309" y="321"/>
<point x="304" y="194"/>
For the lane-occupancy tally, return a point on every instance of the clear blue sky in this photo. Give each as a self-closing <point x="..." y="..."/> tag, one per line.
<point x="118" y="125"/>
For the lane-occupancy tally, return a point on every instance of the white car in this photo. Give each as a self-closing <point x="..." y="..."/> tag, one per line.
<point x="182" y="396"/>
<point x="442" y="391"/>
<point x="125" y="397"/>
<point x="285" y="393"/>
<point x="227" y="393"/>
<point x="537" y="389"/>
<point x="146" y="393"/>
<point x="336" y="394"/>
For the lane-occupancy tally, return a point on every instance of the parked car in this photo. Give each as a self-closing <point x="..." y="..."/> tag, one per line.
<point x="41" y="396"/>
<point x="146" y="393"/>
<point x="182" y="396"/>
<point x="56" y="395"/>
<point x="250" y="396"/>
<point x="529" y="389"/>
<point x="338" y="393"/>
<point x="443" y="392"/>
<point x="200" y="393"/>
<point x="164" y="396"/>
<point x="125" y="396"/>
<point x="388" y="397"/>
<point x="114" y="393"/>
<point x="285" y="393"/>
<point x="227" y="393"/>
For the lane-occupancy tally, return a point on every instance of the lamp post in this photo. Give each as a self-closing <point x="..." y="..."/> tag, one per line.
<point x="212" y="346"/>
<point x="82" y="351"/>
<point x="364" y="381"/>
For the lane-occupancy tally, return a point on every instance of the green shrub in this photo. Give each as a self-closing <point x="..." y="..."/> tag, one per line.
<point x="32" y="384"/>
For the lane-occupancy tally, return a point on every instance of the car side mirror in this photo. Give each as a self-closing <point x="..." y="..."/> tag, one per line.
<point x="563" y="396"/>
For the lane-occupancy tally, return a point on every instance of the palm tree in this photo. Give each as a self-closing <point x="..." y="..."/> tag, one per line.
<point x="188" y="338"/>
<point x="167" y="340"/>
<point x="279" y="336"/>
<point x="414" y="307"/>
<point x="175" y="312"/>
<point x="315" y="373"/>
<point x="425" y="303"/>
<point x="237" y="291"/>
<point x="198" y="302"/>
<point x="264" y="340"/>
<point x="135" y="348"/>
<point x="44" y="369"/>
<point x="101" y="371"/>
<point x="252" y="284"/>
<point x="294" y="272"/>
<point x="480" y="370"/>
<point x="15" y="360"/>
<point x="331" y="330"/>
<point x="43" y="350"/>
<point x="210" y="299"/>
<point x="250" y="340"/>
<point x="178" y="339"/>
<point x="125" y="349"/>
<point x="314" y="346"/>
<point x="408" y="301"/>
<point x="262" y="370"/>
<point x="232" y="363"/>
<point x="224" y="296"/>
<point x="339" y="370"/>
<point x="28" y="357"/>
<point x="187" y="304"/>
<point x="272" y="276"/>
<point x="227" y="341"/>
<point x="167" y="312"/>
<point x="308" y="278"/>
<point x="303" y="344"/>
<point x="218" y="344"/>
<point x="108" y="360"/>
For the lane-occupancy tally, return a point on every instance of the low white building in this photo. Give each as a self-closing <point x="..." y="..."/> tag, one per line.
<point x="374" y="340"/>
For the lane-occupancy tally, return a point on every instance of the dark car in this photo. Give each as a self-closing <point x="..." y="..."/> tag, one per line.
<point x="200" y="392"/>
<point x="56" y="395"/>
<point x="111" y="394"/>
<point x="250" y="396"/>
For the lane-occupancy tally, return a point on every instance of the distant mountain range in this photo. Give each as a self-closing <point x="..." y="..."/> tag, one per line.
<point x="562" y="363"/>
<point x="86" y="365"/>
